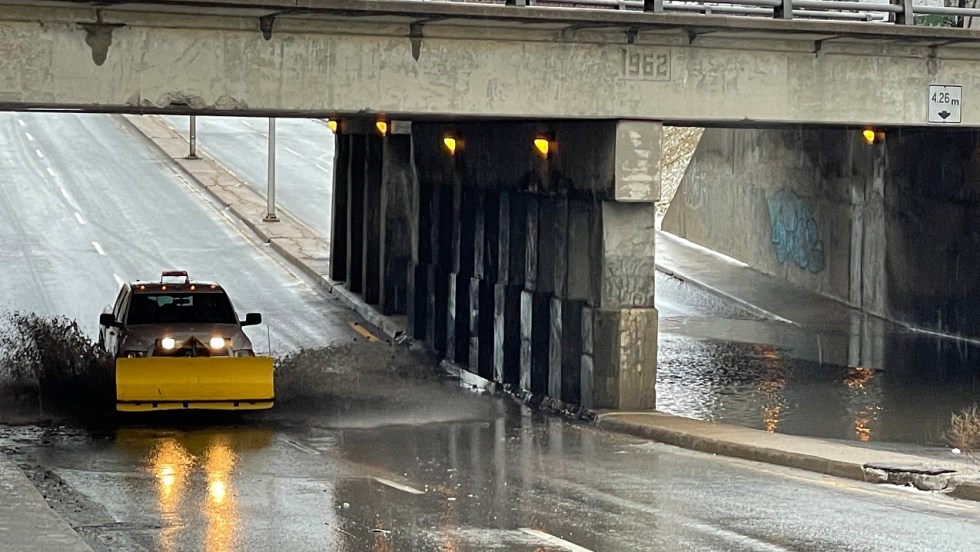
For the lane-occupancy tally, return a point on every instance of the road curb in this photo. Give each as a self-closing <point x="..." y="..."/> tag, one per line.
<point x="924" y="477"/>
<point x="826" y="466"/>
<point x="27" y="522"/>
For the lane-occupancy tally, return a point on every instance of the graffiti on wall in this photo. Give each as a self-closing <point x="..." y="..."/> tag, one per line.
<point x="795" y="235"/>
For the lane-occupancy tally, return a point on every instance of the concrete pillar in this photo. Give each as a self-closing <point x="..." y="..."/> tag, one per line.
<point x="338" y="237"/>
<point x="481" y="284"/>
<point x="355" y="212"/>
<point x="619" y="327"/>
<point x="874" y="247"/>
<point x="398" y="210"/>
<point x="458" y="313"/>
<point x="535" y="299"/>
<point x="371" y="265"/>
<point x="437" y="274"/>
<point x="421" y="259"/>
<point x="510" y="249"/>
<point x="571" y="291"/>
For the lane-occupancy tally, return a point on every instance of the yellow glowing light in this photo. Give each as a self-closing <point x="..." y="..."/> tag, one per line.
<point x="382" y="127"/>
<point x="543" y="145"/>
<point x="217" y="343"/>
<point x="450" y="143"/>
<point x="869" y="135"/>
<point x="332" y="125"/>
<point x="168" y="343"/>
<point x="193" y="288"/>
<point x="168" y="476"/>
<point x="217" y="491"/>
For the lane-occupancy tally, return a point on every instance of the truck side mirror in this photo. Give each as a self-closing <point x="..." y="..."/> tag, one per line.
<point x="108" y="320"/>
<point x="252" y="319"/>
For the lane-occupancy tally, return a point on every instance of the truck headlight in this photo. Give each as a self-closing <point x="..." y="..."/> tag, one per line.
<point x="217" y="343"/>
<point x="168" y="343"/>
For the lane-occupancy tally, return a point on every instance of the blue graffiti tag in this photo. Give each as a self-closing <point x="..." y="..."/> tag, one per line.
<point x="794" y="231"/>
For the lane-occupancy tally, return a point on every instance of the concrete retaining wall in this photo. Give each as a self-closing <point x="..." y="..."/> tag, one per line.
<point x="892" y="228"/>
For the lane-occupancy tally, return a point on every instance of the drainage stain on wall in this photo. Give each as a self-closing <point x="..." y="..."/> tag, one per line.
<point x="795" y="234"/>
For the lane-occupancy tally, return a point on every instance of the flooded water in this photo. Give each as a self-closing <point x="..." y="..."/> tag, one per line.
<point x="871" y="382"/>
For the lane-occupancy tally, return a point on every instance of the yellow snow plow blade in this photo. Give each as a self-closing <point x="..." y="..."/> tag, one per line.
<point x="194" y="383"/>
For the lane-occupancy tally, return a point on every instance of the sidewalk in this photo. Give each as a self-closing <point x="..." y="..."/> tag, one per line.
<point x="757" y="292"/>
<point x="776" y="299"/>
<point x="26" y="520"/>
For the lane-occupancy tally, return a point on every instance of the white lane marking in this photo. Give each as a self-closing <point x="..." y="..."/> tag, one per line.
<point x="322" y="168"/>
<point x="554" y="541"/>
<point x="51" y="172"/>
<point x="292" y="151"/>
<point x="119" y="281"/>
<point x="78" y="217"/>
<point x="64" y="192"/>
<point x="39" y="154"/>
<point x="98" y="248"/>
<point x="21" y="122"/>
<point x="399" y="486"/>
<point x="29" y="137"/>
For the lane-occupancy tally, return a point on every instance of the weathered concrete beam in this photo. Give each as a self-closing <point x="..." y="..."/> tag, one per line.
<point x="160" y="61"/>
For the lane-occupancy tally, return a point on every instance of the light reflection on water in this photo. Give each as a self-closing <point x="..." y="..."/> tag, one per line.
<point x="194" y="474"/>
<point x="908" y="399"/>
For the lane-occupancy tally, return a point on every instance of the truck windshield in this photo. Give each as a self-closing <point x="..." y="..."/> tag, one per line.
<point x="181" y="308"/>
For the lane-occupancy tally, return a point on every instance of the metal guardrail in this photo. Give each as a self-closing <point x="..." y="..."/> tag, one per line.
<point x="901" y="12"/>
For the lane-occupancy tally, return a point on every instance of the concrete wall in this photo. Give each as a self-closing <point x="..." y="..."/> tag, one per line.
<point x="746" y="188"/>
<point x="932" y="224"/>
<point x="892" y="228"/>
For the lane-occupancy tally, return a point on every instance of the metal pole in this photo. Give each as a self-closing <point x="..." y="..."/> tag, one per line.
<point x="193" y="152"/>
<point x="270" y="212"/>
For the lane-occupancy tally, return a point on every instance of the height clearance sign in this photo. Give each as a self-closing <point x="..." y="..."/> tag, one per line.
<point x="945" y="101"/>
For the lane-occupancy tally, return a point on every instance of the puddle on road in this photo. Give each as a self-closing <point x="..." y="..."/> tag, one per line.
<point x="908" y="399"/>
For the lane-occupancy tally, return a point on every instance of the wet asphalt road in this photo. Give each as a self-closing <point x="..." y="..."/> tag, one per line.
<point x="367" y="448"/>
<point x="304" y="159"/>
<point x="91" y="201"/>
<point x="448" y="470"/>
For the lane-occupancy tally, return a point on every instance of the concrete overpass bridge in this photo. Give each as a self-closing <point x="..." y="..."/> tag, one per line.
<point x="505" y="205"/>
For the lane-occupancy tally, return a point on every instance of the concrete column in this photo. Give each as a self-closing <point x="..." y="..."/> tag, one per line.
<point x="874" y="247"/>
<point x="535" y="299"/>
<point x="571" y="289"/>
<point x="371" y="266"/>
<point x="619" y="328"/>
<point x="510" y="244"/>
<point x="437" y="274"/>
<point x="421" y="251"/>
<point x="338" y="237"/>
<point x="458" y="314"/>
<point x="481" y="287"/>
<point x="397" y="211"/>
<point x="355" y="212"/>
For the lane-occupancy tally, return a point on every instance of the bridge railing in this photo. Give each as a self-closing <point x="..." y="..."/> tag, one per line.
<point x="902" y="12"/>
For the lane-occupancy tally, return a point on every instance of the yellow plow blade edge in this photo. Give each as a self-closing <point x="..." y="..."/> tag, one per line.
<point x="194" y="383"/>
